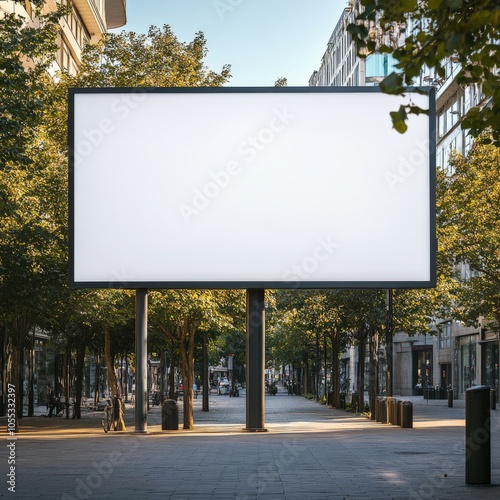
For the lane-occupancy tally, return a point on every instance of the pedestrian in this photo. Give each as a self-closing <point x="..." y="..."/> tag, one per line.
<point x="51" y="404"/>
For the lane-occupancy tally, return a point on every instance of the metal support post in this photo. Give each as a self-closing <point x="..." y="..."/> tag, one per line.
<point x="141" y="352"/>
<point x="255" y="361"/>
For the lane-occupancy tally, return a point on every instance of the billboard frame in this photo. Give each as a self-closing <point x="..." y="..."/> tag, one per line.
<point x="275" y="284"/>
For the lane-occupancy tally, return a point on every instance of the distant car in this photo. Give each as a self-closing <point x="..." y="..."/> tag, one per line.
<point x="224" y="387"/>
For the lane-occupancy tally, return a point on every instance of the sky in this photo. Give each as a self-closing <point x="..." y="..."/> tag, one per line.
<point x="262" y="40"/>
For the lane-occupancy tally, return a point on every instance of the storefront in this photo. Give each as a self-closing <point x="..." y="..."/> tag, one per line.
<point x="490" y="364"/>
<point x="422" y="369"/>
<point x="468" y="362"/>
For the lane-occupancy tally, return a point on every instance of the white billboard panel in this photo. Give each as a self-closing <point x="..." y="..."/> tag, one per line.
<point x="241" y="188"/>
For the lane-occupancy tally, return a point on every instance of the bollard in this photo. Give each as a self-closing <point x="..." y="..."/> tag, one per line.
<point x="390" y="404"/>
<point x="450" y="398"/>
<point x="169" y="415"/>
<point x="398" y="411"/>
<point x="406" y="415"/>
<point x="373" y="410"/>
<point x="477" y="435"/>
<point x="377" y="408"/>
<point x="383" y="411"/>
<point x="493" y="399"/>
<point x="394" y="417"/>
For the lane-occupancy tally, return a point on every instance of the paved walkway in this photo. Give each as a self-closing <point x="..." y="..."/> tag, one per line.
<point x="310" y="452"/>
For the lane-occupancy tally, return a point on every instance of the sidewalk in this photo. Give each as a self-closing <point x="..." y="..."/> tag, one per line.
<point x="309" y="452"/>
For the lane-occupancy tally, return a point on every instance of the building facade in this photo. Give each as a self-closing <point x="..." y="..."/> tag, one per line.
<point x="86" y="23"/>
<point x="454" y="356"/>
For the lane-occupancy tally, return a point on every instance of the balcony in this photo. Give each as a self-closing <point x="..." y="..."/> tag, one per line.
<point x="116" y="15"/>
<point x="92" y="17"/>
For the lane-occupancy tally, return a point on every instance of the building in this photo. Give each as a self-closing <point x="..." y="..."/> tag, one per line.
<point x="455" y="356"/>
<point x="87" y="22"/>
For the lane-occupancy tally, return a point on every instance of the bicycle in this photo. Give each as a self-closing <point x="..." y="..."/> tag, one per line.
<point x="108" y="417"/>
<point x="112" y="414"/>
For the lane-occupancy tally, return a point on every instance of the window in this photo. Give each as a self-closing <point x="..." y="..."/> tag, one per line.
<point x="445" y="335"/>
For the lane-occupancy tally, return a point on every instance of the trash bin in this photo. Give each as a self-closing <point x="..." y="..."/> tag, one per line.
<point x="169" y="415"/>
<point x="329" y="398"/>
<point x="407" y="415"/>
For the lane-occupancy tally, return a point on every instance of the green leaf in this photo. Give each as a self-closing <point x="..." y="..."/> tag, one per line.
<point x="399" y="119"/>
<point x="392" y="84"/>
<point x="455" y="4"/>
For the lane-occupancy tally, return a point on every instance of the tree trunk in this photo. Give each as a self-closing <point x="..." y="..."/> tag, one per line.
<point x="306" y="376"/>
<point x="372" y="389"/>
<point x="163" y="367"/>
<point x="119" y="423"/>
<point x="20" y="329"/>
<point x="80" y="362"/>
<point x="335" y="369"/>
<point x="31" y="366"/>
<point x="67" y="379"/>
<point x="171" y="378"/>
<point x="187" y="368"/>
<point x="15" y="377"/>
<point x="361" y="372"/>
<point x="97" y="379"/>
<point x="5" y="345"/>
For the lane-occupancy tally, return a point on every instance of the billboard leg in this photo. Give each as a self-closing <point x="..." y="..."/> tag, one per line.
<point x="205" y="373"/>
<point x="141" y="352"/>
<point x="255" y="360"/>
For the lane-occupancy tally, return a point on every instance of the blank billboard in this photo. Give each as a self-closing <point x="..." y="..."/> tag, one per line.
<point x="250" y="188"/>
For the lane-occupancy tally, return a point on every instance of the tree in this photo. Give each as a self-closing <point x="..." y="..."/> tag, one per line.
<point x="31" y="243"/>
<point x="426" y="34"/>
<point x="157" y="59"/>
<point x="469" y="230"/>
<point x="26" y="55"/>
<point x="127" y="59"/>
<point x="179" y="315"/>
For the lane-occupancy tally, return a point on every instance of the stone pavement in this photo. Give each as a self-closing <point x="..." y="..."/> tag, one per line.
<point x="309" y="452"/>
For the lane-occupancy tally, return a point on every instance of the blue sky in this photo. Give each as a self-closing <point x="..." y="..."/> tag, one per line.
<point x="261" y="39"/>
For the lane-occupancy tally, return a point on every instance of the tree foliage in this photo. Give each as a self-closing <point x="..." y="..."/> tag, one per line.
<point x="155" y="59"/>
<point x="27" y="52"/>
<point x="426" y="34"/>
<point x="32" y="237"/>
<point x="469" y="230"/>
